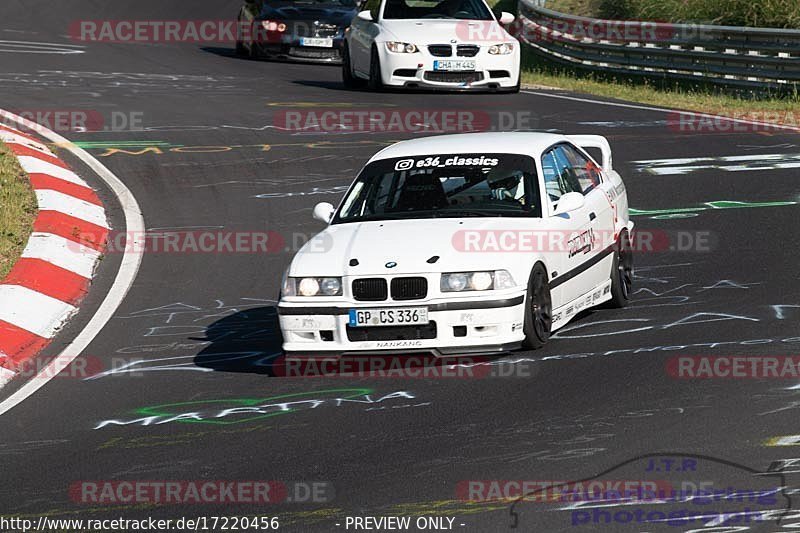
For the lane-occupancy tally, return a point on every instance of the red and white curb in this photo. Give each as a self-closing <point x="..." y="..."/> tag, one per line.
<point x="52" y="276"/>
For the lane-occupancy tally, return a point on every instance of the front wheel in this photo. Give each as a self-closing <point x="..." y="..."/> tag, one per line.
<point x="622" y="272"/>
<point x="375" y="80"/>
<point x="349" y="80"/>
<point x="538" y="310"/>
<point x="240" y="49"/>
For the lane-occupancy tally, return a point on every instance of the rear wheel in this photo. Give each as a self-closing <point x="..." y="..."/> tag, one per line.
<point x="622" y="272"/>
<point x="375" y="80"/>
<point x="538" y="310"/>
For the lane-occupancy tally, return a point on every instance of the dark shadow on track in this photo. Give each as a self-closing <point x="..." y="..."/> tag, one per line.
<point x="250" y="342"/>
<point x="224" y="52"/>
<point x="231" y="53"/>
<point x="242" y="342"/>
<point x="339" y="86"/>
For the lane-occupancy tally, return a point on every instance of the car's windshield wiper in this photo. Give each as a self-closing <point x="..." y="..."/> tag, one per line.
<point x="468" y="213"/>
<point x="390" y="216"/>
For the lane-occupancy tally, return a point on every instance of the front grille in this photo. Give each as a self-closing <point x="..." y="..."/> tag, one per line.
<point x="314" y="53"/>
<point x="440" y="50"/>
<point x="303" y="28"/>
<point x="454" y="77"/>
<point x="467" y="50"/>
<point x="409" y="288"/>
<point x="392" y="333"/>
<point x="370" y="289"/>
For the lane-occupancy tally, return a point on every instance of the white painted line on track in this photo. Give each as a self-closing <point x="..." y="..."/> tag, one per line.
<point x="129" y="267"/>
<point x="662" y="110"/>
<point x="62" y="252"/>
<point x="33" y="165"/>
<point x="6" y="375"/>
<point x="33" y="311"/>
<point x="50" y="200"/>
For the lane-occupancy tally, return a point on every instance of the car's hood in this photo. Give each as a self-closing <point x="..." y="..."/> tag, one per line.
<point x="331" y="15"/>
<point x="411" y="244"/>
<point x="442" y="31"/>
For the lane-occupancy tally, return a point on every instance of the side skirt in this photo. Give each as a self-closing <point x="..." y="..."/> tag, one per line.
<point x="565" y="313"/>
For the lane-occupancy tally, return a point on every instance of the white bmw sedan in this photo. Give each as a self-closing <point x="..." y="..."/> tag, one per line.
<point x="462" y="244"/>
<point x="431" y="44"/>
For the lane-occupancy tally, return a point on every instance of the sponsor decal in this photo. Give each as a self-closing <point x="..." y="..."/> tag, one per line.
<point x="439" y="162"/>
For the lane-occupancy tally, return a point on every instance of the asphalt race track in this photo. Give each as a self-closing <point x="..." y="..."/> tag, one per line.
<point x="201" y="327"/>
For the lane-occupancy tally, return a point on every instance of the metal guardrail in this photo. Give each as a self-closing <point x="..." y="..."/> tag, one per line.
<point x="763" y="58"/>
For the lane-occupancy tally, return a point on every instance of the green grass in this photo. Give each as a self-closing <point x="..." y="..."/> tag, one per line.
<point x="753" y="13"/>
<point x="17" y="210"/>
<point x="779" y="110"/>
<point x="583" y="8"/>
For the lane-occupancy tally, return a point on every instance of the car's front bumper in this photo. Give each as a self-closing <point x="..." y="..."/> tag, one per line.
<point x="294" y="51"/>
<point x="457" y="327"/>
<point x="492" y="72"/>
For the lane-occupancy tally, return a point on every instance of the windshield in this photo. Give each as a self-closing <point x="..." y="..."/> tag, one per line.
<point x="447" y="185"/>
<point x="304" y="3"/>
<point x="436" y="9"/>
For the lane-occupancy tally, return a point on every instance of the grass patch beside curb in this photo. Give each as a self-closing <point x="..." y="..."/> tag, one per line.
<point x="17" y="210"/>
<point x="783" y="110"/>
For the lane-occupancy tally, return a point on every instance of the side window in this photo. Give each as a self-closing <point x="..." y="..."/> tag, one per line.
<point x="373" y="6"/>
<point x="559" y="178"/>
<point x="585" y="170"/>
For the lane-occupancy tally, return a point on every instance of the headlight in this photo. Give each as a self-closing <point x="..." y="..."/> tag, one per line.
<point x="312" y="287"/>
<point x="476" y="281"/>
<point x="308" y="287"/>
<point x="401" y="48"/>
<point x="501" y="49"/>
<point x="288" y="287"/>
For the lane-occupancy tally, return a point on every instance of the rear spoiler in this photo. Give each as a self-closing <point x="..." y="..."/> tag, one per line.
<point x="595" y="141"/>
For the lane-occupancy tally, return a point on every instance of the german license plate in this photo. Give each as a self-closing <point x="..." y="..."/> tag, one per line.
<point x="395" y="316"/>
<point x="322" y="42"/>
<point x="453" y="65"/>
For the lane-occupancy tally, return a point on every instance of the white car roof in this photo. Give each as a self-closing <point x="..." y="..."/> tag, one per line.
<point x="530" y="143"/>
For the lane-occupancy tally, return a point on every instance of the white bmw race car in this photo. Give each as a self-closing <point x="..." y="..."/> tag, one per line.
<point x="462" y="244"/>
<point x="432" y="44"/>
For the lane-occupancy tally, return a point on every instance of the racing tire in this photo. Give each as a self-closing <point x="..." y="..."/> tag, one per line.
<point x="538" y="310"/>
<point x="252" y="52"/>
<point x="622" y="273"/>
<point x="375" y="81"/>
<point x="348" y="79"/>
<point x="240" y="49"/>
